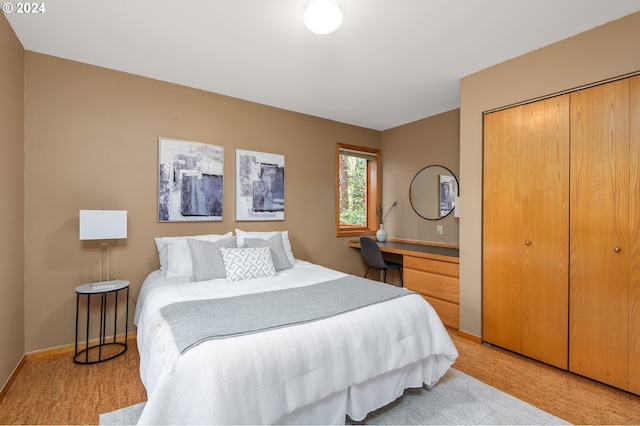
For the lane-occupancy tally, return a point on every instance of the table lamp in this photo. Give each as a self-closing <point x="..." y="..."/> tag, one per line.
<point x="103" y="225"/>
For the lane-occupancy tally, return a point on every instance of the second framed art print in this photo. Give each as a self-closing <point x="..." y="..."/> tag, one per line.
<point x="259" y="186"/>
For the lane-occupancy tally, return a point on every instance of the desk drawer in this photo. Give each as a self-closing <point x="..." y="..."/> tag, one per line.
<point x="439" y="267"/>
<point x="431" y="284"/>
<point x="438" y="282"/>
<point x="448" y="312"/>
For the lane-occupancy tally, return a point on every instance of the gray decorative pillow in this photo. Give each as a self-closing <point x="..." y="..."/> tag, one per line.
<point x="278" y="253"/>
<point x="206" y="258"/>
<point x="247" y="263"/>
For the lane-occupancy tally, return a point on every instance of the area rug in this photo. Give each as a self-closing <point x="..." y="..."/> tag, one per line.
<point x="458" y="399"/>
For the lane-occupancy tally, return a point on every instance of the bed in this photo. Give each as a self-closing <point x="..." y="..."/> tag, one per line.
<point x="289" y="348"/>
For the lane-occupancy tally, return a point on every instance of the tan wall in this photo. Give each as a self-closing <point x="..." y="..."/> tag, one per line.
<point x="12" y="205"/>
<point x="405" y="151"/>
<point x="92" y="143"/>
<point x="602" y="53"/>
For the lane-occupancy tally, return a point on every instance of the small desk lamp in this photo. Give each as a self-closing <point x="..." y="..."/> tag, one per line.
<point x="103" y="225"/>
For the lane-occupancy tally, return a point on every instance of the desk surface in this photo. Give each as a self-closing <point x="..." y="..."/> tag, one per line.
<point x="426" y="250"/>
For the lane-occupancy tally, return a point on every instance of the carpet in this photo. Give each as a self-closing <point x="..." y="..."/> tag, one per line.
<point x="457" y="399"/>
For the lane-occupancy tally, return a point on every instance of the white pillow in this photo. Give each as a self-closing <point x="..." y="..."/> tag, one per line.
<point x="247" y="263"/>
<point x="175" y="256"/>
<point x="265" y="236"/>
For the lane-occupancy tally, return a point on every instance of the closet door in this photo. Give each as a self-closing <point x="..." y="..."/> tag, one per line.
<point x="634" y="238"/>
<point x="599" y="236"/>
<point x="525" y="232"/>
<point x="502" y="229"/>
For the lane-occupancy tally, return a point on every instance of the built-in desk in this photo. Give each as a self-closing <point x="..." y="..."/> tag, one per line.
<point x="431" y="269"/>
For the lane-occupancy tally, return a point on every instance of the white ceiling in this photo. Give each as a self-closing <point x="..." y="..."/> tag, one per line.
<point x="392" y="62"/>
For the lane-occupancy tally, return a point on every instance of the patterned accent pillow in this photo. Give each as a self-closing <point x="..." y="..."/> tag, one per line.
<point x="247" y="263"/>
<point x="278" y="254"/>
<point x="206" y="258"/>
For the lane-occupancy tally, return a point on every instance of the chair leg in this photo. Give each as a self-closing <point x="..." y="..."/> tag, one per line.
<point x="383" y="272"/>
<point x="365" y="274"/>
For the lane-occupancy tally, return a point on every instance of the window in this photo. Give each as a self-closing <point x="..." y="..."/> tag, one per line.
<point x="357" y="190"/>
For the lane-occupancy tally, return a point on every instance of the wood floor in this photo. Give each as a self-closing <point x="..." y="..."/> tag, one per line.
<point x="54" y="390"/>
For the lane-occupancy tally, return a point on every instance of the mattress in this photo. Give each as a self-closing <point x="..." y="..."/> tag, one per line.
<point x="314" y="372"/>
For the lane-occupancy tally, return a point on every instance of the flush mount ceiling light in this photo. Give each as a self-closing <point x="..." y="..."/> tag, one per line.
<point x="322" y="16"/>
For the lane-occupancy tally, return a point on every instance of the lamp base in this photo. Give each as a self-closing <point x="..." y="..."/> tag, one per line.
<point x="104" y="284"/>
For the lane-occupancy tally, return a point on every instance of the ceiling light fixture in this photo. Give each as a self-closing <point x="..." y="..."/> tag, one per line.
<point x="322" y="16"/>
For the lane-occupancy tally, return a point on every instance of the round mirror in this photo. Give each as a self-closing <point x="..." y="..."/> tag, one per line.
<point x="433" y="192"/>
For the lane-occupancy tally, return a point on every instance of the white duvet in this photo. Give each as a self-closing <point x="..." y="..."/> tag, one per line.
<point x="316" y="372"/>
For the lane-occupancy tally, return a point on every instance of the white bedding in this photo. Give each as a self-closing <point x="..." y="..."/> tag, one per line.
<point x="316" y="372"/>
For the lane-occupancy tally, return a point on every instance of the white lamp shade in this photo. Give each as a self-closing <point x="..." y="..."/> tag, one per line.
<point x="322" y="16"/>
<point x="103" y="224"/>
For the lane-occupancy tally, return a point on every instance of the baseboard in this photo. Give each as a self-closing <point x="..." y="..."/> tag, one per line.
<point x="12" y="377"/>
<point x="471" y="337"/>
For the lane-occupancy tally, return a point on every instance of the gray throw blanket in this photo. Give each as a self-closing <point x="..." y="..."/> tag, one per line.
<point x="193" y="322"/>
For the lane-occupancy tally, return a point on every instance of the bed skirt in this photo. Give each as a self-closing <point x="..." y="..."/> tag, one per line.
<point x="361" y="399"/>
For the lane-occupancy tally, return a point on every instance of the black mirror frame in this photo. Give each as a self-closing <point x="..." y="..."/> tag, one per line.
<point x="438" y="195"/>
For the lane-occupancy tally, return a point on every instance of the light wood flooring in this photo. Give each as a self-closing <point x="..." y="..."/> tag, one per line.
<point x="54" y="390"/>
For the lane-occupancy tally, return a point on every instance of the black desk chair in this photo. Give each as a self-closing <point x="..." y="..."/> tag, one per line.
<point x="373" y="259"/>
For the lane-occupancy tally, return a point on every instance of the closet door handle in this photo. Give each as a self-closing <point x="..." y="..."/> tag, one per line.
<point x="527" y="243"/>
<point x="617" y="249"/>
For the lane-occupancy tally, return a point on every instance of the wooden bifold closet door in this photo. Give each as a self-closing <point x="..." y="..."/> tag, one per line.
<point x="561" y="231"/>
<point x="525" y="229"/>
<point x="634" y="236"/>
<point x="604" y="247"/>
<point x="599" y="282"/>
